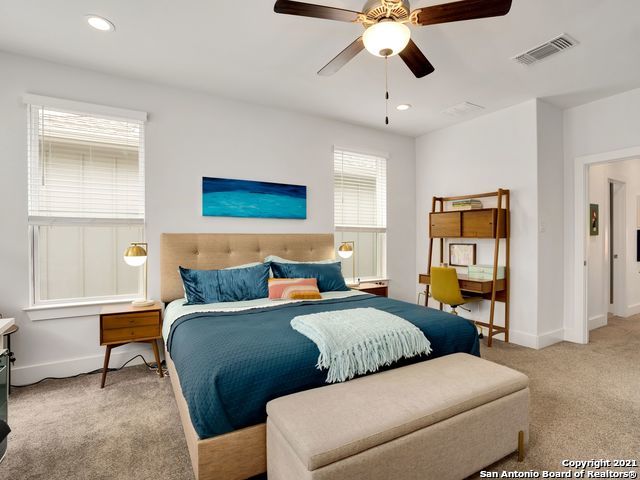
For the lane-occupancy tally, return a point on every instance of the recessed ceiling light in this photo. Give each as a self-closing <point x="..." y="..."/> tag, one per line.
<point x="100" y="23"/>
<point x="403" y="106"/>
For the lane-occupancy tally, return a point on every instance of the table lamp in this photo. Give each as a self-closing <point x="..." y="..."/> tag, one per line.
<point x="345" y="250"/>
<point x="136" y="255"/>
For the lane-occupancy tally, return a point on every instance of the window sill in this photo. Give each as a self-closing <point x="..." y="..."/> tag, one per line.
<point x="70" y="310"/>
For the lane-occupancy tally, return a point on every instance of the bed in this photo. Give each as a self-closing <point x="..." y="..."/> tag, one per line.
<point x="226" y="361"/>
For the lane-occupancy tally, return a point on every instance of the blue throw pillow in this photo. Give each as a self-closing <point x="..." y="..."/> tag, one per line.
<point x="329" y="275"/>
<point x="229" y="285"/>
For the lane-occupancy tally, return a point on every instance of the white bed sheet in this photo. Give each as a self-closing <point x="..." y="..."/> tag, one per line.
<point x="177" y="308"/>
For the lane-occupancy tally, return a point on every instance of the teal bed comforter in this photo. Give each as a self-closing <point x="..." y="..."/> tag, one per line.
<point x="232" y="363"/>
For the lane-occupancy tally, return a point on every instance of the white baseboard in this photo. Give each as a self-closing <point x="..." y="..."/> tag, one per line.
<point x="597" y="321"/>
<point x="537" y="342"/>
<point x="633" y="309"/>
<point x="573" y="335"/>
<point x="65" y="368"/>
<point x="523" y="338"/>
<point x="549" y="338"/>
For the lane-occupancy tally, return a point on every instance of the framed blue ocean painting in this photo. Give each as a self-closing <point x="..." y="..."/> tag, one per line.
<point x="226" y="197"/>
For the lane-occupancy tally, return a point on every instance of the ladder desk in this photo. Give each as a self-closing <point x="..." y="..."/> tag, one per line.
<point x="489" y="223"/>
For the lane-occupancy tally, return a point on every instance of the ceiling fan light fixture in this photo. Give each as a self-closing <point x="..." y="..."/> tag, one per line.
<point x="386" y="38"/>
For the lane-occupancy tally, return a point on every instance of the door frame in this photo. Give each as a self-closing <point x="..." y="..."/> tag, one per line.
<point x="581" y="233"/>
<point x="619" y="305"/>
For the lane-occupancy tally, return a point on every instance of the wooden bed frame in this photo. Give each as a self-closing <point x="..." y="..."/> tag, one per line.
<point x="240" y="454"/>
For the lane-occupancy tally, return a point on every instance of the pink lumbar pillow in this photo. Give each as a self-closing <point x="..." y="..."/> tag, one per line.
<point x="293" y="289"/>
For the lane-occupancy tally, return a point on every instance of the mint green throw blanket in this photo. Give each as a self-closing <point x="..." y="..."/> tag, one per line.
<point x="361" y="340"/>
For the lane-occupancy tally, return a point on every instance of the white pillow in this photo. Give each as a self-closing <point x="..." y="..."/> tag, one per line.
<point x="277" y="259"/>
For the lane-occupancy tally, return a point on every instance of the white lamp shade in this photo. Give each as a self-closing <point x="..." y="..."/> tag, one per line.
<point x="135" y="261"/>
<point x="386" y="38"/>
<point x="345" y="254"/>
<point x="135" y="256"/>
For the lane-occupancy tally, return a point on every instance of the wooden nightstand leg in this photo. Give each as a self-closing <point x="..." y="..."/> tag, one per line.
<point x="156" y="353"/>
<point x="107" y="354"/>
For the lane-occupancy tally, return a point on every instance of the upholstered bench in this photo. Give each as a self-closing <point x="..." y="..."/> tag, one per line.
<point x="440" y="419"/>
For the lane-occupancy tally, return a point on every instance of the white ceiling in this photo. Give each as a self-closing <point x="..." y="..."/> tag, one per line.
<point x="241" y="49"/>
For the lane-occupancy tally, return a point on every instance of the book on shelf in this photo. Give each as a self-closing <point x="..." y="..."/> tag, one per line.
<point x="471" y="204"/>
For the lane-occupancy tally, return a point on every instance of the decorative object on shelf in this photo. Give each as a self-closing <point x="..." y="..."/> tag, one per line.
<point x="136" y="256"/>
<point x="594" y="220"/>
<point x="345" y="250"/>
<point x="462" y="254"/>
<point x="226" y="197"/>
<point x="471" y="204"/>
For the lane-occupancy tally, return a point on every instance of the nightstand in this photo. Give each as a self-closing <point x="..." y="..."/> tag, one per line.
<point x="376" y="288"/>
<point x="123" y="324"/>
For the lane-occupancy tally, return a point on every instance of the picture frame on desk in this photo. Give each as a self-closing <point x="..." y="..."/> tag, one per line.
<point x="462" y="254"/>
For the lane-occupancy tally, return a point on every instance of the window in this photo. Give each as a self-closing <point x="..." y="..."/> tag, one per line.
<point x="360" y="210"/>
<point x="86" y="204"/>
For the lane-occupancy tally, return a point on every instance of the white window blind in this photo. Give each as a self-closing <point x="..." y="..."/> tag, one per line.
<point x="84" y="168"/>
<point x="360" y="195"/>
<point x="86" y="200"/>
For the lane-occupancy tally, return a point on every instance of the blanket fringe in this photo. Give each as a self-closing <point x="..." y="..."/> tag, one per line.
<point x="371" y="354"/>
<point x="381" y="339"/>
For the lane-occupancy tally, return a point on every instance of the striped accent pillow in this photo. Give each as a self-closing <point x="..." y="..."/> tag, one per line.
<point x="293" y="289"/>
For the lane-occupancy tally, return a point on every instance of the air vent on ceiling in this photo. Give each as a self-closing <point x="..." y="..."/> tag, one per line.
<point x="463" y="108"/>
<point x="556" y="45"/>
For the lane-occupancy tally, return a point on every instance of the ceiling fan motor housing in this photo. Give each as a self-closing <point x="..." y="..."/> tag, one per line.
<point x="375" y="10"/>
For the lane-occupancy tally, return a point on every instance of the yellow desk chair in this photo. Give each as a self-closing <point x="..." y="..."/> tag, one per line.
<point x="446" y="289"/>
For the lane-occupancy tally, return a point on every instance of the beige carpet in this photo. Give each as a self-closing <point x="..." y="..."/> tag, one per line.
<point x="585" y="404"/>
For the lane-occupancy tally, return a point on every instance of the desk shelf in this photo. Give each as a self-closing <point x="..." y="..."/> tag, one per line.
<point x="491" y="223"/>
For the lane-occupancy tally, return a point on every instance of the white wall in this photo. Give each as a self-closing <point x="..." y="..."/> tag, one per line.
<point x="550" y="224"/>
<point x="628" y="172"/>
<point x="189" y="135"/>
<point x="481" y="155"/>
<point x="606" y="125"/>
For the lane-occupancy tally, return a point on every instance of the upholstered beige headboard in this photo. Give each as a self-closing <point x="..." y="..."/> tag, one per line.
<point x="221" y="250"/>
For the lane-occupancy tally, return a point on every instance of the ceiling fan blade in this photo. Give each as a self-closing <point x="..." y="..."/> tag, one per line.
<point x="317" y="11"/>
<point x="416" y="61"/>
<point x="462" y="10"/>
<point x="344" y="57"/>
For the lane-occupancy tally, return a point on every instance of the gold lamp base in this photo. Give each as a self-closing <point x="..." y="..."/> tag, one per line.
<point x="142" y="303"/>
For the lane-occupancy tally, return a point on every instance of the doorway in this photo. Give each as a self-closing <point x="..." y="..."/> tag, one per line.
<point x="582" y="277"/>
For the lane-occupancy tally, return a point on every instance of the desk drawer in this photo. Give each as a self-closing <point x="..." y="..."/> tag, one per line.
<point x="130" y="334"/>
<point x="471" y="286"/>
<point x="130" y="320"/>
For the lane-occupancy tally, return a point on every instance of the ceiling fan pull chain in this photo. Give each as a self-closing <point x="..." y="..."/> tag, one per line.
<point x="386" y="87"/>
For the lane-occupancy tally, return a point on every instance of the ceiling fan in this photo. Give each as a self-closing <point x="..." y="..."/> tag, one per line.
<point x="386" y="33"/>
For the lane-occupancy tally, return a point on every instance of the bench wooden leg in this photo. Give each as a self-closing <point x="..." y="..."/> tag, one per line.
<point x="520" y="446"/>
